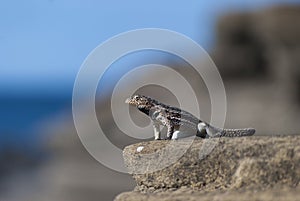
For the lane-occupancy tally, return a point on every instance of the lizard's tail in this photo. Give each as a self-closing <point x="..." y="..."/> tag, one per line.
<point x="238" y="132"/>
<point x="206" y="130"/>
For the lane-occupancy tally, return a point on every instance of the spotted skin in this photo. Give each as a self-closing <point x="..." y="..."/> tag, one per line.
<point x="179" y="120"/>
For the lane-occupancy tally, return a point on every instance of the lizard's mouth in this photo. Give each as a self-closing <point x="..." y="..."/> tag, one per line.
<point x="129" y="101"/>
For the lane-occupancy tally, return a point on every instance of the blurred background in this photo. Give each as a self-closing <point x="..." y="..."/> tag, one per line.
<point x="255" y="45"/>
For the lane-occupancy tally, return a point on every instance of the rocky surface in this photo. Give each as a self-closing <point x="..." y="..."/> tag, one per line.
<point x="259" y="44"/>
<point x="263" y="167"/>
<point x="192" y="195"/>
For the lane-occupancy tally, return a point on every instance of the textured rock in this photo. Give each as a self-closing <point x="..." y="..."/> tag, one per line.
<point x="192" y="195"/>
<point x="257" y="164"/>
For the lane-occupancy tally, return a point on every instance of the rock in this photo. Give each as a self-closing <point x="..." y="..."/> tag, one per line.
<point x="260" y="164"/>
<point x="192" y="195"/>
<point x="257" y="43"/>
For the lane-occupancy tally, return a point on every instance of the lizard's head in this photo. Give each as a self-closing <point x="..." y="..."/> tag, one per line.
<point x="139" y="101"/>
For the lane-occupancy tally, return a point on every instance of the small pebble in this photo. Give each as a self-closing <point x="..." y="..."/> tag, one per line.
<point x="139" y="149"/>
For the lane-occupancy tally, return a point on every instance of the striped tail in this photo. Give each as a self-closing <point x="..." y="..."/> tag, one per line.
<point x="206" y="130"/>
<point x="238" y="132"/>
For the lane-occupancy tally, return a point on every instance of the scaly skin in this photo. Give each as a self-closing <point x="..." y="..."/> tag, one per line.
<point x="180" y="121"/>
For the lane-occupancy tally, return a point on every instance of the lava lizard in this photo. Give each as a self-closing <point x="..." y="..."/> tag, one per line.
<point x="180" y="122"/>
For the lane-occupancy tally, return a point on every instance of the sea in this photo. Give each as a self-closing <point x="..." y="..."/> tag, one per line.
<point x="22" y="117"/>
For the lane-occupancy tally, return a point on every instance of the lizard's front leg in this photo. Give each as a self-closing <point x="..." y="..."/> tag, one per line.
<point x="156" y="131"/>
<point x="162" y="118"/>
<point x="170" y="131"/>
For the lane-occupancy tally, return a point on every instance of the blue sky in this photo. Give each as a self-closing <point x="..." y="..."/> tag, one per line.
<point x="44" y="42"/>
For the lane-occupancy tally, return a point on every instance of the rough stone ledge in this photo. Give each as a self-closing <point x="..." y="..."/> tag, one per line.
<point x="252" y="164"/>
<point x="278" y="194"/>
